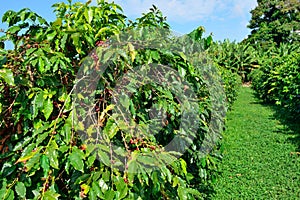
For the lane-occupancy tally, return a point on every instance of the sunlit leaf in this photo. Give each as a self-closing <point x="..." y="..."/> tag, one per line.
<point x="20" y="189"/>
<point x="76" y="159"/>
<point x="7" y="76"/>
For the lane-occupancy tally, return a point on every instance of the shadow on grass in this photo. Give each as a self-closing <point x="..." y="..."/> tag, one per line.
<point x="290" y="121"/>
<point x="291" y="124"/>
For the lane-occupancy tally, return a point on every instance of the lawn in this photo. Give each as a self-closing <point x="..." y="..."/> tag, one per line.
<point x="260" y="158"/>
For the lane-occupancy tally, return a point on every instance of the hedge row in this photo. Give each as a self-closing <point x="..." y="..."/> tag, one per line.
<point x="278" y="78"/>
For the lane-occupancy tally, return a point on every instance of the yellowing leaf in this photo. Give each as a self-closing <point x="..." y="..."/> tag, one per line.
<point x="80" y="96"/>
<point x="132" y="51"/>
<point x="80" y="126"/>
<point x="58" y="22"/>
<point x="27" y="157"/>
<point x="85" y="188"/>
<point x="101" y="117"/>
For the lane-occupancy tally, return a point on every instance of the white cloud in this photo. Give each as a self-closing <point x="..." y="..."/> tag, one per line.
<point x="189" y="10"/>
<point x="243" y="6"/>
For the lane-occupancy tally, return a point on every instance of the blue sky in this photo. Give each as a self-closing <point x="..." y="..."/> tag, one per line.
<point x="224" y="18"/>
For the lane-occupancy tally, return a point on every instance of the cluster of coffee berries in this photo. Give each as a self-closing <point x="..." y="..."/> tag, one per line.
<point x="100" y="43"/>
<point x="94" y="56"/>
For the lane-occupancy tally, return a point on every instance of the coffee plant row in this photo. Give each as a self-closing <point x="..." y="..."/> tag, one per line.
<point x="277" y="80"/>
<point x="64" y="81"/>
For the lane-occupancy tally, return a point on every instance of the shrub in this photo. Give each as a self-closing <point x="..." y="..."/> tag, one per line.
<point x="51" y="116"/>
<point x="277" y="80"/>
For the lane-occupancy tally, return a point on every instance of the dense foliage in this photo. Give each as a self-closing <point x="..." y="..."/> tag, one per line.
<point x="277" y="80"/>
<point x="239" y="58"/>
<point x="42" y="153"/>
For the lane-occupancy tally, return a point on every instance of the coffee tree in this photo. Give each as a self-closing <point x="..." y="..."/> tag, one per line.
<point x="63" y="131"/>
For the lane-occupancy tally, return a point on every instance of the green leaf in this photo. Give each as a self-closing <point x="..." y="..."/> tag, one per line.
<point x="102" y="31"/>
<point x="37" y="104"/>
<point x="41" y="137"/>
<point x="41" y="65"/>
<point x="42" y="20"/>
<point x="32" y="16"/>
<point x="209" y="40"/>
<point x="7" y="169"/>
<point x="111" y="129"/>
<point x="132" y="169"/>
<point x="132" y="108"/>
<point x="143" y="176"/>
<point x="39" y="100"/>
<point x="183" y="56"/>
<point x="91" y="160"/>
<point x="125" y="101"/>
<point x="3" y="189"/>
<point x="10" y="195"/>
<point x="20" y="189"/>
<point x="23" y="14"/>
<point x="194" y="192"/>
<point x="48" y="108"/>
<point x="27" y="156"/>
<point x="155" y="55"/>
<point x="76" y="41"/>
<point x="181" y="71"/>
<point x="33" y="162"/>
<point x="148" y="160"/>
<point x="104" y="157"/>
<point x="50" y="195"/>
<point x="76" y="159"/>
<point x="63" y="148"/>
<point x="67" y="132"/>
<point x="121" y="187"/>
<point x="14" y="29"/>
<point x="8" y="76"/>
<point x="30" y="51"/>
<point x="109" y="194"/>
<point x="183" y="166"/>
<point x="96" y="188"/>
<point x="45" y="164"/>
<point x="167" y="173"/>
<point x="64" y="41"/>
<point x="51" y="36"/>
<point x="88" y="14"/>
<point x="108" y="56"/>
<point x="52" y="154"/>
<point x="3" y="59"/>
<point x="182" y="193"/>
<point x="92" y="194"/>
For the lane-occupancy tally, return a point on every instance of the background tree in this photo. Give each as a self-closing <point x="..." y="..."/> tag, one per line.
<point x="275" y="21"/>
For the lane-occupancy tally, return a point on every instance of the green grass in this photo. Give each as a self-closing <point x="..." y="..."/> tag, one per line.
<point x="258" y="160"/>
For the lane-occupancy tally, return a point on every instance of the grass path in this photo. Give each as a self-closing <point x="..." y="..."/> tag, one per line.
<point x="258" y="163"/>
